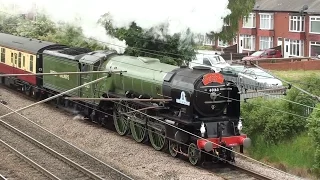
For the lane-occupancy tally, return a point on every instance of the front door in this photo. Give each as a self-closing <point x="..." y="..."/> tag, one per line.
<point x="286" y="48"/>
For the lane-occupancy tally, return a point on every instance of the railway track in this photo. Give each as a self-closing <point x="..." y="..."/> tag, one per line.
<point x="41" y="157"/>
<point x="15" y="133"/>
<point x="2" y="177"/>
<point x="235" y="172"/>
<point x="248" y="172"/>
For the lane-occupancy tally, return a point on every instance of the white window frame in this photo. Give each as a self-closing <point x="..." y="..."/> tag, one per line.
<point x="207" y="41"/>
<point x="294" y="51"/>
<point x="311" y="19"/>
<point x="265" y="39"/>
<point x="251" y="17"/>
<point x="298" y="20"/>
<point x="221" y="44"/>
<point x="269" y="17"/>
<point x="252" y="39"/>
<point x="313" y="43"/>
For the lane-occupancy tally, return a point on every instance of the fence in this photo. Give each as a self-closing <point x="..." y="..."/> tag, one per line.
<point x="296" y="65"/>
<point x="243" y="97"/>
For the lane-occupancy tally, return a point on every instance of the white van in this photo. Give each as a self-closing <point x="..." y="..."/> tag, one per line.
<point x="209" y="59"/>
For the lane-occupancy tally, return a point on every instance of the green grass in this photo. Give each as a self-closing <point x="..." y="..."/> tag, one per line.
<point x="296" y="153"/>
<point x="296" y="75"/>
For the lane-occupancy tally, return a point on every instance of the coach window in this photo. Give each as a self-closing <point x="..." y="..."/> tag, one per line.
<point x="3" y="54"/>
<point x="24" y="61"/>
<point x="31" y="63"/>
<point x="19" y="60"/>
<point x="12" y="58"/>
<point x="15" y="58"/>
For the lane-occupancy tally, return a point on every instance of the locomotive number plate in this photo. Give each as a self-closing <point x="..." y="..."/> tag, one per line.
<point x="212" y="77"/>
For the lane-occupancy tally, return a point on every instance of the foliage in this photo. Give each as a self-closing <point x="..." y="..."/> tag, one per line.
<point x="314" y="132"/>
<point x="276" y="124"/>
<point x="239" y="9"/>
<point x="286" y="120"/>
<point x="45" y="29"/>
<point x="153" y="42"/>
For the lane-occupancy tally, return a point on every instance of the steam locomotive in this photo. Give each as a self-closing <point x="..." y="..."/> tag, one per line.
<point x="197" y="114"/>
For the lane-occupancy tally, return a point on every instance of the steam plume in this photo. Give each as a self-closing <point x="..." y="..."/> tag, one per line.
<point x="200" y="16"/>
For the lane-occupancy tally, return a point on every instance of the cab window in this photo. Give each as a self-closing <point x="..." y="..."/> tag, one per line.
<point x="206" y="62"/>
<point x="272" y="52"/>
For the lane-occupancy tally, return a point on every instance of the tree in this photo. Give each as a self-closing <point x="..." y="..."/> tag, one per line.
<point x="239" y="9"/>
<point x="45" y="29"/>
<point x="153" y="42"/>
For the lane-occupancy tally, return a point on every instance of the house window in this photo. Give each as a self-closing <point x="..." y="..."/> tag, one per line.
<point x="208" y="41"/>
<point x="266" y="42"/>
<point x="266" y="21"/>
<point x="296" y="23"/>
<point x="315" y="24"/>
<point x="249" y="42"/>
<point x="249" y="21"/>
<point x="296" y="47"/>
<point x="31" y="63"/>
<point x="12" y="58"/>
<point x="222" y="44"/>
<point x="314" y="49"/>
<point x="19" y="60"/>
<point x="3" y="55"/>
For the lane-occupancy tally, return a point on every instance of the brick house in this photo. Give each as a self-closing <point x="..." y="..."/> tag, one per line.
<point x="282" y="22"/>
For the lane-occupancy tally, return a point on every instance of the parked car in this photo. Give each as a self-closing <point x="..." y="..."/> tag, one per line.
<point x="251" y="76"/>
<point x="268" y="53"/>
<point x="209" y="59"/>
<point x="260" y="76"/>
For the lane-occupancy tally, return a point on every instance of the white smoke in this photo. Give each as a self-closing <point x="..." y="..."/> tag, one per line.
<point x="201" y="16"/>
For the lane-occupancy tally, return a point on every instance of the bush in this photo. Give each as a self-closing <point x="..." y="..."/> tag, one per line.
<point x="314" y="131"/>
<point x="276" y="119"/>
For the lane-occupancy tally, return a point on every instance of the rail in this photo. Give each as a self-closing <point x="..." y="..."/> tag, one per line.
<point x="51" y="151"/>
<point x="250" y="172"/>
<point x="2" y="177"/>
<point x="28" y="160"/>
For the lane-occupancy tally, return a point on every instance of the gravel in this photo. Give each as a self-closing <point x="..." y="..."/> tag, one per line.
<point x="264" y="170"/>
<point x="135" y="159"/>
<point x="11" y="167"/>
<point x="39" y="155"/>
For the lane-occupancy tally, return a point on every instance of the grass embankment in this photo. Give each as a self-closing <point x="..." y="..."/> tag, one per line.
<point x="294" y="154"/>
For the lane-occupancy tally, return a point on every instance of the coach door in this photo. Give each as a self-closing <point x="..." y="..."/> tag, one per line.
<point x="85" y="78"/>
<point x="14" y="61"/>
